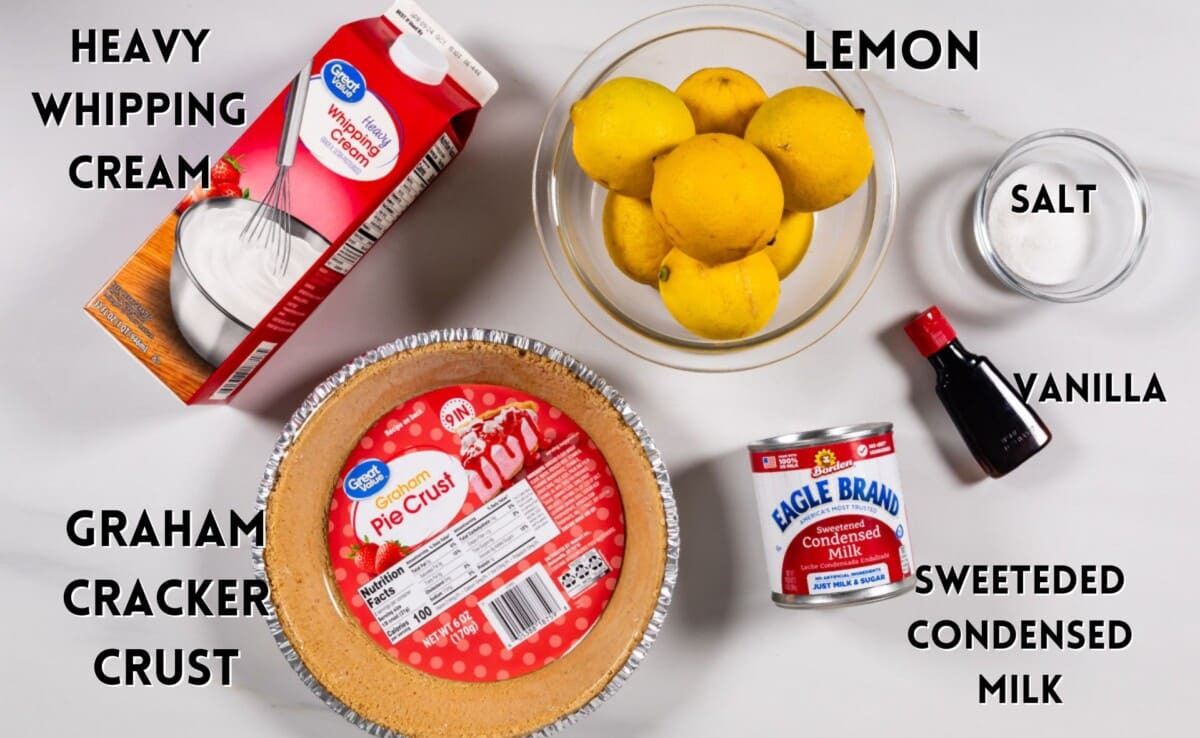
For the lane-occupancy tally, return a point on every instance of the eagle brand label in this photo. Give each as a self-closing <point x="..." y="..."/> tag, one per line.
<point x="832" y="518"/>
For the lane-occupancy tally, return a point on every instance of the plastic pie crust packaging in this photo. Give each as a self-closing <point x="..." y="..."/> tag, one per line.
<point x="387" y="103"/>
<point x="469" y="533"/>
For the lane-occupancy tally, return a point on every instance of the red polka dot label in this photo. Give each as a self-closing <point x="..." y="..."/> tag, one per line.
<point x="476" y="533"/>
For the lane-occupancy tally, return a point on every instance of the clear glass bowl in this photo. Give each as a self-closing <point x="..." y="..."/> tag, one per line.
<point x="1117" y="227"/>
<point x="849" y="240"/>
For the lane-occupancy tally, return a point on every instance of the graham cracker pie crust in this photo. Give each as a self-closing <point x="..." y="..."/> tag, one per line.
<point x="328" y="647"/>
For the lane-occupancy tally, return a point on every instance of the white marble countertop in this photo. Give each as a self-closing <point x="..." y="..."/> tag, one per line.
<point x="80" y="426"/>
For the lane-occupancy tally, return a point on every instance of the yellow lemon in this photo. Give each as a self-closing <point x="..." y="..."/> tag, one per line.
<point x="818" y="144"/>
<point x="722" y="100"/>
<point x="621" y="126"/>
<point x="791" y="243"/>
<point x="717" y="198"/>
<point x="722" y="301"/>
<point x="634" y="239"/>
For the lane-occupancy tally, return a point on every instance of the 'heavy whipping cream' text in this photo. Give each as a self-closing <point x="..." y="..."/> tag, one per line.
<point x="347" y="127"/>
<point x="120" y="108"/>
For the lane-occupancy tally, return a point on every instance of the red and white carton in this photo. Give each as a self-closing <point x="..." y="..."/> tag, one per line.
<point x="387" y="103"/>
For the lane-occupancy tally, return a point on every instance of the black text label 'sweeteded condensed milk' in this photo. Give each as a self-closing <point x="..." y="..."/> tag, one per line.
<point x="832" y="516"/>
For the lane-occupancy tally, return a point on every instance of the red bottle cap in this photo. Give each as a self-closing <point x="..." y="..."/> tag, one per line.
<point x="930" y="332"/>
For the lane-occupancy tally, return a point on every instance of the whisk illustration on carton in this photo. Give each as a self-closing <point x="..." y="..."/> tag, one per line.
<point x="271" y="222"/>
<point x="295" y="203"/>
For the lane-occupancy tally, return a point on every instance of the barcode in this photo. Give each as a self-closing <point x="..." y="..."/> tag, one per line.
<point x="524" y="607"/>
<point x="245" y="370"/>
<point x="429" y="167"/>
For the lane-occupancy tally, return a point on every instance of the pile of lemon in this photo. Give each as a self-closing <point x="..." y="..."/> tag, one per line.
<point x="712" y="187"/>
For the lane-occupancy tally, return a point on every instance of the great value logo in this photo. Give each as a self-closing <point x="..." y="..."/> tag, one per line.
<point x="347" y="127"/>
<point x="343" y="80"/>
<point x="366" y="478"/>
<point x="420" y="493"/>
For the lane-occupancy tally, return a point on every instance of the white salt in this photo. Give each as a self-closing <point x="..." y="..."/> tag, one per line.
<point x="1043" y="248"/>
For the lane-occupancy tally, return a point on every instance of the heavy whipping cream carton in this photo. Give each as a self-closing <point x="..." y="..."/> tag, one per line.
<point x="223" y="281"/>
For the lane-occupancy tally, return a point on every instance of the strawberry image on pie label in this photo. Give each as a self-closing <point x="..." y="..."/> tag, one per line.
<point x="476" y="533"/>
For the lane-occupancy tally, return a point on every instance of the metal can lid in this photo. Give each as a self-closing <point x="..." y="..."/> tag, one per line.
<point x="835" y="434"/>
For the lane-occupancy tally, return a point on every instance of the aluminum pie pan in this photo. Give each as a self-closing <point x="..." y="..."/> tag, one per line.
<point x="329" y="388"/>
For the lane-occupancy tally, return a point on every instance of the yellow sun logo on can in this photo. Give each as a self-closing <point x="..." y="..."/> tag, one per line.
<point x="825" y="458"/>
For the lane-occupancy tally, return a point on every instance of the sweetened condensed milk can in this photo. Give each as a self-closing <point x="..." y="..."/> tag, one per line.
<point x="832" y="516"/>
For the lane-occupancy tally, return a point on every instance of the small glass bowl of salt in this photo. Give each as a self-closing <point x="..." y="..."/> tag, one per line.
<point x="1062" y="216"/>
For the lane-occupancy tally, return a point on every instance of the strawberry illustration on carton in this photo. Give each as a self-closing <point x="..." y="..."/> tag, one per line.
<point x="370" y="121"/>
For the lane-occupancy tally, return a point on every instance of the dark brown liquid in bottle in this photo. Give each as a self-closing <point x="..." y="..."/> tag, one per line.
<point x="1000" y="429"/>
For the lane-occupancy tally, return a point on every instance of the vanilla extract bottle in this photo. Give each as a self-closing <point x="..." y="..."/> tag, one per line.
<point x="1000" y="429"/>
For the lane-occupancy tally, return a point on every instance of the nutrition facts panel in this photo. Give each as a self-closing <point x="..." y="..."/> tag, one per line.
<point x="456" y="562"/>
<point x="445" y="568"/>
<point x="360" y="242"/>
<point x="503" y="534"/>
